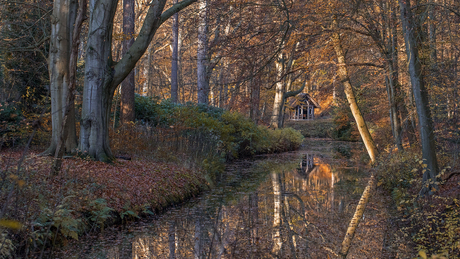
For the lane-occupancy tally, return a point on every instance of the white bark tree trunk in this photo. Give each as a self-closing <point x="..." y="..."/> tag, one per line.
<point x="279" y="91"/>
<point x="342" y="72"/>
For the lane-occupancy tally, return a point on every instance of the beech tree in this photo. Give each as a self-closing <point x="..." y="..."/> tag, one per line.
<point x="202" y="54"/>
<point x="421" y="98"/>
<point x="128" y="85"/>
<point x="103" y="75"/>
<point x="175" y="58"/>
<point x="62" y="23"/>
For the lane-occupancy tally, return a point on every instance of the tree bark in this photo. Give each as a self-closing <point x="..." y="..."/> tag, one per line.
<point x="128" y="85"/>
<point x="421" y="99"/>
<point x="175" y="57"/>
<point x="279" y="91"/>
<point x="342" y="72"/>
<point x="62" y="23"/>
<point x="202" y="54"/>
<point x="69" y="110"/>
<point x="102" y="75"/>
<point x="393" y="89"/>
<point x="255" y="99"/>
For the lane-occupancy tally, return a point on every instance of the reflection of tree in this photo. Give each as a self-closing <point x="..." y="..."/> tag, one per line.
<point x="290" y="215"/>
<point x="285" y="212"/>
<point x="276" y="213"/>
<point x="141" y="248"/>
<point x="172" y="239"/>
<point x="198" y="237"/>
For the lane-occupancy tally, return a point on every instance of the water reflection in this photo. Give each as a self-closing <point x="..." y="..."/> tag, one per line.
<point x="276" y="210"/>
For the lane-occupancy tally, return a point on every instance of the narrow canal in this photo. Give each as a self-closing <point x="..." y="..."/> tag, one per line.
<point x="291" y="205"/>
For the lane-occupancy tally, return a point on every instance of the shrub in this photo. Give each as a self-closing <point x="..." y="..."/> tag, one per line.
<point x="285" y="139"/>
<point x="432" y="223"/>
<point x="232" y="134"/>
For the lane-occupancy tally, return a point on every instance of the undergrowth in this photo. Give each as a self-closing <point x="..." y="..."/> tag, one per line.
<point x="431" y="223"/>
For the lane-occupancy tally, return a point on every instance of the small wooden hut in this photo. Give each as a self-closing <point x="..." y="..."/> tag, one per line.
<point x="302" y="107"/>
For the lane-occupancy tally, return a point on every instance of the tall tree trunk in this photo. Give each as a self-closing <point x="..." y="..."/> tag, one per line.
<point x="128" y="85"/>
<point x="149" y="71"/>
<point x="102" y="75"/>
<point x="279" y="91"/>
<point x="97" y="93"/>
<point x="175" y="57"/>
<point x="342" y="72"/>
<point x="180" y="80"/>
<point x="393" y="87"/>
<point x="70" y="98"/>
<point x="255" y="99"/>
<point x="405" y="101"/>
<point x="202" y="54"/>
<point x="421" y="99"/>
<point x="63" y="18"/>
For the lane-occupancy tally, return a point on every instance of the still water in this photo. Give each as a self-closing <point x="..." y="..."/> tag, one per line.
<point x="291" y="205"/>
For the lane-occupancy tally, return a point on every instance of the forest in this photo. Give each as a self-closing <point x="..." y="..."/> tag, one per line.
<point x="117" y="112"/>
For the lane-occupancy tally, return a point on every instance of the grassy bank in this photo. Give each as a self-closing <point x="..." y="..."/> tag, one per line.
<point x="318" y="128"/>
<point x="337" y="128"/>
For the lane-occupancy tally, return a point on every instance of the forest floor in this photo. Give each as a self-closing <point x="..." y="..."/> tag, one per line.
<point x="85" y="187"/>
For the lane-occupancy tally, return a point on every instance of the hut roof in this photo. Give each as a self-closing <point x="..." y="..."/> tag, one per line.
<point x="300" y="99"/>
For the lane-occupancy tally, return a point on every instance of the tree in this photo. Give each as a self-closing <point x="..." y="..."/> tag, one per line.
<point x="24" y="75"/>
<point x="62" y="24"/>
<point x="128" y="85"/>
<point x="202" y="54"/>
<point x="69" y="110"/>
<point x="342" y="72"/>
<point x="426" y="128"/>
<point x="102" y="74"/>
<point x="175" y="58"/>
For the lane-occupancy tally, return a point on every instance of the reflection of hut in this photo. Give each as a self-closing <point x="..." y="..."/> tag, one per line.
<point x="306" y="165"/>
<point x="315" y="170"/>
<point x="302" y="107"/>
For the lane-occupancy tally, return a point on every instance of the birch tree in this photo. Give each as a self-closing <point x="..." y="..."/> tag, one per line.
<point x="342" y="72"/>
